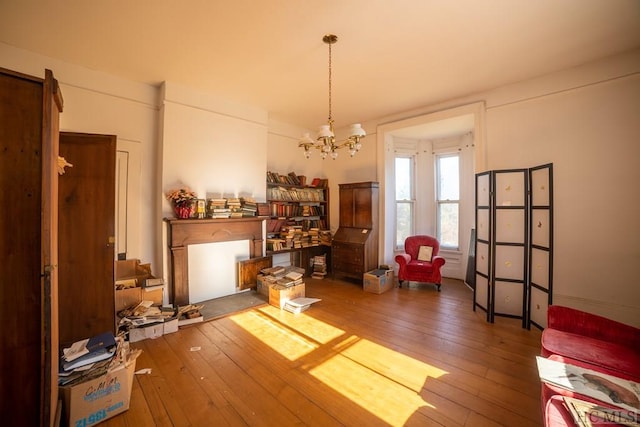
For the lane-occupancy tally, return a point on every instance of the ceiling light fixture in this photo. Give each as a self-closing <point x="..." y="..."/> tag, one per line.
<point x="326" y="140"/>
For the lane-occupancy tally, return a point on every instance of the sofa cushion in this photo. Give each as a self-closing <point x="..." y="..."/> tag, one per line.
<point x="614" y="357"/>
<point x="419" y="267"/>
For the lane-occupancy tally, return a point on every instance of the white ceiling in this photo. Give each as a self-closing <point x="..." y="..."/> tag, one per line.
<point x="391" y="56"/>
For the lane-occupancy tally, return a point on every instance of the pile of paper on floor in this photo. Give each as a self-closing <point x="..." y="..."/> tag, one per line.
<point x="146" y="320"/>
<point x="92" y="357"/>
<point x="188" y="314"/>
<point x="298" y="305"/>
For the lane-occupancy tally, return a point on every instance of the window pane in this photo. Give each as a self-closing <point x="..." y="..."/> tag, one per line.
<point x="403" y="178"/>
<point x="449" y="178"/>
<point x="403" y="222"/>
<point x="448" y="224"/>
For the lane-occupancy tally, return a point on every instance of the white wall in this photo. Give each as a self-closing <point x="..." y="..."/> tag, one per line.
<point x="591" y="135"/>
<point x="584" y="121"/>
<point x="217" y="149"/>
<point x="95" y="102"/>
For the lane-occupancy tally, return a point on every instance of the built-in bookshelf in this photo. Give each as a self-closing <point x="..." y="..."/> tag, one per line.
<point x="298" y="212"/>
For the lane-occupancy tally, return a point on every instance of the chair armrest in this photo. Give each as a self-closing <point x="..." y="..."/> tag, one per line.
<point x="403" y="259"/>
<point x="437" y="261"/>
<point x="591" y="325"/>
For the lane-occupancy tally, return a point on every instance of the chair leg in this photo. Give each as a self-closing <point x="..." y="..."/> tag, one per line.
<point x="399" y="283"/>
<point x="438" y="285"/>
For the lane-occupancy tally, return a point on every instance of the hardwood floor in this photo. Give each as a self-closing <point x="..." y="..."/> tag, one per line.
<point x="408" y="357"/>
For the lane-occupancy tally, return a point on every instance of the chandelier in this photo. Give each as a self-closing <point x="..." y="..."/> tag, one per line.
<point x="326" y="140"/>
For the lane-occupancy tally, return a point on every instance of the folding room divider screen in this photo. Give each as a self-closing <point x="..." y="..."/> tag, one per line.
<point x="514" y="234"/>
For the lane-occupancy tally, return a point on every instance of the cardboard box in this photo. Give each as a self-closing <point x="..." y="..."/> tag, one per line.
<point x="155" y="294"/>
<point x="146" y="332"/>
<point x="127" y="297"/>
<point x="263" y="284"/>
<point x="185" y="322"/>
<point x="99" y="399"/>
<point x="170" y="327"/>
<point x="278" y="294"/>
<point x="378" y="281"/>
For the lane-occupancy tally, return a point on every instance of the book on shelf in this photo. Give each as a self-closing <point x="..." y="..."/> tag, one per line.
<point x="263" y="209"/>
<point x="606" y="388"/>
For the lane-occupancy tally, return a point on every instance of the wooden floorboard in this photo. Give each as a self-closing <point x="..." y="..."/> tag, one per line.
<point x="409" y="357"/>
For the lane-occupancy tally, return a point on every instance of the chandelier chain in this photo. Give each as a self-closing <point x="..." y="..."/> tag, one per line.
<point x="330" y="81"/>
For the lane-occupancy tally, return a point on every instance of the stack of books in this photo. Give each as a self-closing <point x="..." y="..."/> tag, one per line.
<point x="235" y="207"/>
<point x="319" y="267"/>
<point x="291" y="278"/>
<point x="249" y="206"/>
<point x="217" y="208"/>
<point x="325" y="237"/>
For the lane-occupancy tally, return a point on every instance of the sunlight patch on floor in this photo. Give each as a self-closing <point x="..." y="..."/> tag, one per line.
<point x="308" y="326"/>
<point x="396" y="366"/>
<point x="382" y="381"/>
<point x="274" y="334"/>
<point x="380" y="395"/>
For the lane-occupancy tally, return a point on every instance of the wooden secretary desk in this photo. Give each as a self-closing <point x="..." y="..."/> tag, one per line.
<point x="354" y="249"/>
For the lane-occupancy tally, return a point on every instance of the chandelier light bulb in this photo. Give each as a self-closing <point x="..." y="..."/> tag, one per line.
<point x="334" y="155"/>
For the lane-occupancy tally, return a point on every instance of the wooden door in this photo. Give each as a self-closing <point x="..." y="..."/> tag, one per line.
<point x="87" y="230"/>
<point x="29" y="109"/>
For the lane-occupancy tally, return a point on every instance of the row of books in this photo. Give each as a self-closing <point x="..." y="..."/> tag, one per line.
<point x="286" y="209"/>
<point x="293" y="238"/>
<point x="282" y="225"/>
<point x="291" y="178"/>
<point x="233" y="207"/>
<point x="306" y="194"/>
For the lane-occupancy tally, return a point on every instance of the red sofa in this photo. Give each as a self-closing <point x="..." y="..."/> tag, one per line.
<point x="590" y="341"/>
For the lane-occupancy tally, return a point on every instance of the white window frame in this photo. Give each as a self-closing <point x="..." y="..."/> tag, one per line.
<point x="439" y="202"/>
<point x="406" y="154"/>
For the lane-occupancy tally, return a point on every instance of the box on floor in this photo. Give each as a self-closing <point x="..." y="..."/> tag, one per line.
<point x="153" y="331"/>
<point x="96" y="400"/>
<point x="278" y="295"/>
<point x="378" y="281"/>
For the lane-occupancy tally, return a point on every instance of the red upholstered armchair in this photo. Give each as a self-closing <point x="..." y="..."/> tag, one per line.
<point x="420" y="262"/>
